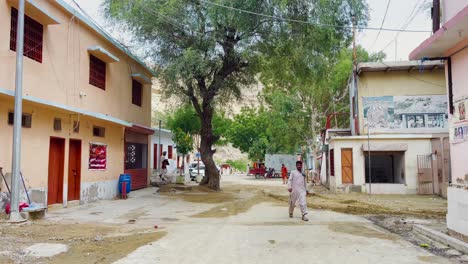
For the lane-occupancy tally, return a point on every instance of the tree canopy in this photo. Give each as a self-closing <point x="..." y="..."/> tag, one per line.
<point x="209" y="50"/>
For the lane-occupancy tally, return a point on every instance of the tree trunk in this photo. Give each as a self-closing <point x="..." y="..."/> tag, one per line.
<point x="211" y="179"/>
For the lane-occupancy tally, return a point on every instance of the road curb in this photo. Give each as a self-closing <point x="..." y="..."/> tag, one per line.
<point x="442" y="238"/>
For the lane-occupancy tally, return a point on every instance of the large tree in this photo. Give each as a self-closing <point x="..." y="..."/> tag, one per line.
<point x="208" y="50"/>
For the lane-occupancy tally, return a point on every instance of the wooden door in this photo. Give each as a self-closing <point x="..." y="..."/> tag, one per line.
<point x="56" y="164"/>
<point x="347" y="166"/>
<point x="74" y="170"/>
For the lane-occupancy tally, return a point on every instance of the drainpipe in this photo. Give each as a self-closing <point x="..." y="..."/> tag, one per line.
<point x="435" y="15"/>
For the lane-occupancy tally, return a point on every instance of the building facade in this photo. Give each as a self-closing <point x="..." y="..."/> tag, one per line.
<point x="86" y="108"/>
<point x="398" y="120"/>
<point x="449" y="43"/>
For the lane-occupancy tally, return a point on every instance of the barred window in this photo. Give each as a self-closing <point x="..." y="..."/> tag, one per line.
<point x="97" y="72"/>
<point x="33" y="35"/>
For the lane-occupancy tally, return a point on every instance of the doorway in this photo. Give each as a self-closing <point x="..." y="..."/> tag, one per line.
<point x="347" y="166"/>
<point x="74" y="170"/>
<point x="56" y="166"/>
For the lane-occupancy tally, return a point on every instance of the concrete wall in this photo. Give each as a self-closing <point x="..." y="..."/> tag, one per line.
<point x="275" y="161"/>
<point x="457" y="217"/>
<point x="398" y="83"/>
<point x="450" y="8"/>
<point x="64" y="71"/>
<point x="166" y="140"/>
<point x="415" y="147"/>
<point x="460" y="81"/>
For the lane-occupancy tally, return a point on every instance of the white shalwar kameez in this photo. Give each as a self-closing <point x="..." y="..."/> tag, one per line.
<point x="299" y="191"/>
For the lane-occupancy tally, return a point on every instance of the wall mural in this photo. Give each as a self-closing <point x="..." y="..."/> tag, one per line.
<point x="406" y="112"/>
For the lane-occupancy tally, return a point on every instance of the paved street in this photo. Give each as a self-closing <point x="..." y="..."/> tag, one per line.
<point x="262" y="234"/>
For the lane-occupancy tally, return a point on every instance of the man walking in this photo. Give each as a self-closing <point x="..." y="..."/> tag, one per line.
<point x="298" y="190"/>
<point x="284" y="173"/>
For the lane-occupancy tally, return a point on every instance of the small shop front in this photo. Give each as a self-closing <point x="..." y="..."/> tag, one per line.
<point x="137" y="155"/>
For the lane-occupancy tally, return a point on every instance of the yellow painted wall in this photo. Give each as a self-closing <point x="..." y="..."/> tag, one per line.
<point x="35" y="143"/>
<point x="399" y="83"/>
<point x="64" y="72"/>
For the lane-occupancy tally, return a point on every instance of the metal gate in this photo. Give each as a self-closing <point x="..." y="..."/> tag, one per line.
<point x="425" y="175"/>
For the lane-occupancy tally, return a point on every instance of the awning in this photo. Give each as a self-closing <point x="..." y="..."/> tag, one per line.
<point x="68" y="108"/>
<point x="102" y="54"/>
<point x="385" y="147"/>
<point x="37" y="12"/>
<point x="141" y="78"/>
<point x="448" y="36"/>
<point x="141" y="129"/>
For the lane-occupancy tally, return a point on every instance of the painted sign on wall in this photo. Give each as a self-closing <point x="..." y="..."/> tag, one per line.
<point x="97" y="156"/>
<point x="459" y="122"/>
<point x="406" y="112"/>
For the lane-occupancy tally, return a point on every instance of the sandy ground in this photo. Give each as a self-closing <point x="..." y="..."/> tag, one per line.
<point x="245" y="223"/>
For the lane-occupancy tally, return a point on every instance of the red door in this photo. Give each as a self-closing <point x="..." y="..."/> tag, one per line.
<point x="74" y="170"/>
<point x="56" y="164"/>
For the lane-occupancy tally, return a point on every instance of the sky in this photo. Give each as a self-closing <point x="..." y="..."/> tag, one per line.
<point x="396" y="46"/>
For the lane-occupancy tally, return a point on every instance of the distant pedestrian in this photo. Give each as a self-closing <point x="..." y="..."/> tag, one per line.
<point x="164" y="164"/>
<point x="284" y="173"/>
<point x="297" y="188"/>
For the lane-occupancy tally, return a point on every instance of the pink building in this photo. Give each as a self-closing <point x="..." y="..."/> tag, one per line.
<point x="450" y="42"/>
<point x="86" y="108"/>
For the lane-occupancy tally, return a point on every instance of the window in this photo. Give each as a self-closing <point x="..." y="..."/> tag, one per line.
<point x="332" y="162"/>
<point x="99" y="131"/>
<point x="33" y="33"/>
<point x="169" y="152"/>
<point x="57" y="124"/>
<point x="26" y="119"/>
<point x="97" y="72"/>
<point x="135" y="156"/>
<point x="136" y="92"/>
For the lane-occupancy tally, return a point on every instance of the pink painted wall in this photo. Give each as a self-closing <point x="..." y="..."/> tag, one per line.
<point x="64" y="72"/>
<point x="458" y="153"/>
<point x="451" y="7"/>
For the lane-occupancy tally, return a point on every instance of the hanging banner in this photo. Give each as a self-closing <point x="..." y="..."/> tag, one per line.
<point x="97" y="156"/>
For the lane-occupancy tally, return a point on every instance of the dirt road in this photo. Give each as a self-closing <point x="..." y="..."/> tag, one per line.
<point x="246" y="223"/>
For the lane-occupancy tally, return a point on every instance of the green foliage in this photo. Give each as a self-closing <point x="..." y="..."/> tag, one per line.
<point x="185" y="119"/>
<point x="207" y="53"/>
<point x="239" y="165"/>
<point x="183" y="140"/>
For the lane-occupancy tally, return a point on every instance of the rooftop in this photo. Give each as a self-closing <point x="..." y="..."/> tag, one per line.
<point x="399" y="66"/>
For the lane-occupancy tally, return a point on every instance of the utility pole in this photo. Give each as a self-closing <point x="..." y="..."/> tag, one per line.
<point x="15" y="215"/>
<point x="158" y="150"/>
<point x="354" y="40"/>
<point x="369" y="154"/>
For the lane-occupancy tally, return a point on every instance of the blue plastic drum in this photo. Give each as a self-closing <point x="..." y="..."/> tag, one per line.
<point x="125" y="178"/>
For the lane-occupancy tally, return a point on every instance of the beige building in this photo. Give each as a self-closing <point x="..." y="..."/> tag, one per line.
<point x="86" y="107"/>
<point x="398" y="112"/>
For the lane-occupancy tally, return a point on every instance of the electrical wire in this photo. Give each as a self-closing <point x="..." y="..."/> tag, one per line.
<point x="381" y="25"/>
<point x="405" y="25"/>
<point x="306" y="22"/>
